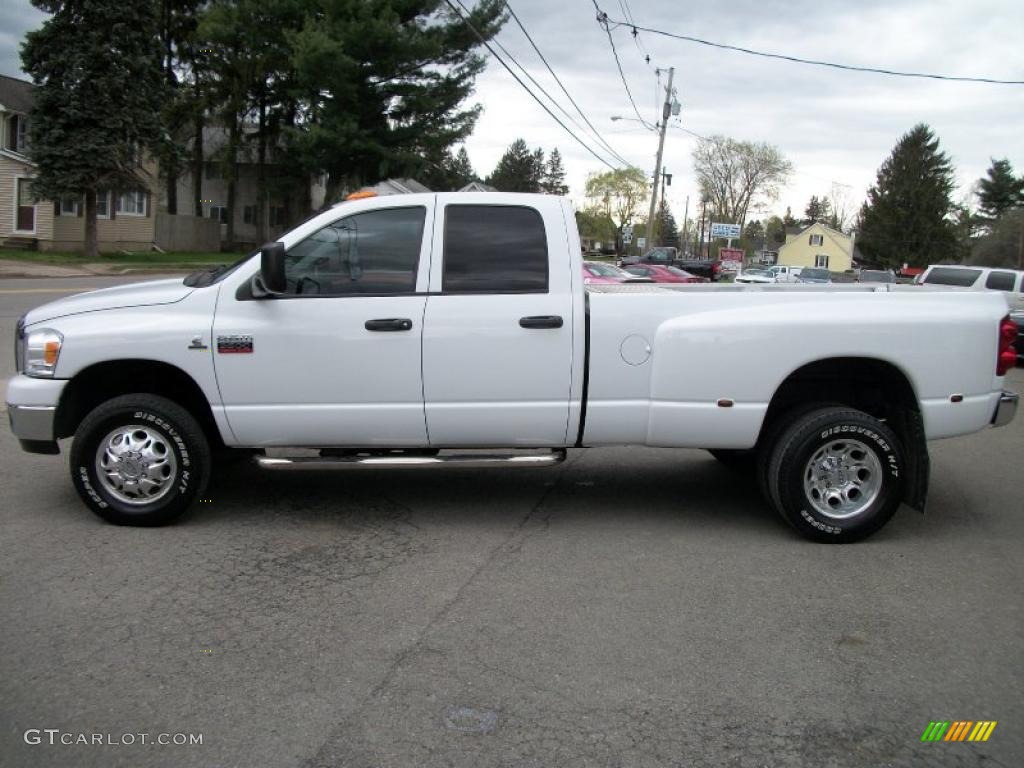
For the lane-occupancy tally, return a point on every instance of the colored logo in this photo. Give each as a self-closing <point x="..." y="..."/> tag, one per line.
<point x="958" y="730"/>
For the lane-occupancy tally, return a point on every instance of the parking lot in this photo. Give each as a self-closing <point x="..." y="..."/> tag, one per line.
<point x="632" y="607"/>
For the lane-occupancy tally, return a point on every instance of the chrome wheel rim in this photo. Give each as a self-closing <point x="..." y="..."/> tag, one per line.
<point x="136" y="464"/>
<point x="842" y="478"/>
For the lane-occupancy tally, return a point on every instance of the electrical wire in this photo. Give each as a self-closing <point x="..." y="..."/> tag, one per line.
<point x="608" y="147"/>
<point x="796" y="59"/>
<point x="602" y="20"/>
<point x="483" y="40"/>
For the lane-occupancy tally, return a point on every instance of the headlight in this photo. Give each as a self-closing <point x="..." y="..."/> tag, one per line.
<point x="42" y="348"/>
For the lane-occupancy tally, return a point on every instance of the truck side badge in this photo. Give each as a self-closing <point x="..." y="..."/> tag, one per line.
<point x="197" y="343"/>
<point x="234" y="345"/>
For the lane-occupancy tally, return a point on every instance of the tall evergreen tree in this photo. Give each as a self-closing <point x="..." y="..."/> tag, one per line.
<point x="462" y="169"/>
<point x="906" y="216"/>
<point x="96" y="108"/>
<point x="519" y="169"/>
<point x="666" y="227"/>
<point x="999" y="190"/>
<point x="817" y="211"/>
<point x="553" y="182"/>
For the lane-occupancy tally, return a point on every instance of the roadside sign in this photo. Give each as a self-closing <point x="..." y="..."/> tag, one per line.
<point x="641" y="243"/>
<point x="627" y="231"/>
<point x="731" y="254"/>
<point x="725" y="230"/>
<point x="627" y="238"/>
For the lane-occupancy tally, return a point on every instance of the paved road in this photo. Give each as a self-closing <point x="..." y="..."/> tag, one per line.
<point x="631" y="608"/>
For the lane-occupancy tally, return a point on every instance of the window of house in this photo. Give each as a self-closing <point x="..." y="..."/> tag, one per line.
<point x="817" y="239"/>
<point x="277" y="217"/>
<point x="376" y="252"/>
<point x="21" y="142"/>
<point x="494" y="249"/>
<point x="69" y="205"/>
<point x="132" y="203"/>
<point x="103" y="204"/>
<point x="821" y="260"/>
<point x="1000" y="281"/>
<point x="219" y="212"/>
<point x="249" y="214"/>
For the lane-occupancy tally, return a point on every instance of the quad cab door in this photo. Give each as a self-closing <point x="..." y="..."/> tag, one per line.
<point x="336" y="360"/>
<point x="498" y="329"/>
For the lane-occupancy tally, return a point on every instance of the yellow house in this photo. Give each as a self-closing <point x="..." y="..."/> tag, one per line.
<point x="818" y="246"/>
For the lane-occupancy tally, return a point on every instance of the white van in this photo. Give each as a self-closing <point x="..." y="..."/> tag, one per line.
<point x="1009" y="281"/>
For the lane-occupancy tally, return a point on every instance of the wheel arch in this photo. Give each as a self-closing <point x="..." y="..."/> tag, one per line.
<point x="873" y="385"/>
<point x="103" y="381"/>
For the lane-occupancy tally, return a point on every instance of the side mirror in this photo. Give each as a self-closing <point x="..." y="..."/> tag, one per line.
<point x="272" y="268"/>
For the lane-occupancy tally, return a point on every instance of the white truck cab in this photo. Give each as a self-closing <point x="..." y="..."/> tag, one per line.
<point x="436" y="329"/>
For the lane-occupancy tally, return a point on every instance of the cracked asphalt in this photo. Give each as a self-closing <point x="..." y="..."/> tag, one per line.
<point x="632" y="607"/>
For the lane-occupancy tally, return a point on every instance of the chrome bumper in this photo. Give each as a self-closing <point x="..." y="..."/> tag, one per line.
<point x="1006" y="409"/>
<point x="32" y="422"/>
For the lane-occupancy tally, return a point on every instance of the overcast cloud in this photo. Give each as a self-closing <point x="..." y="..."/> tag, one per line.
<point x="836" y="127"/>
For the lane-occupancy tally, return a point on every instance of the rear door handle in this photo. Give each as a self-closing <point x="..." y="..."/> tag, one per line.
<point x="541" y="321"/>
<point x="389" y="324"/>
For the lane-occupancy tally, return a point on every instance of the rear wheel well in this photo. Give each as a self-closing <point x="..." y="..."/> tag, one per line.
<point x="104" y="381"/>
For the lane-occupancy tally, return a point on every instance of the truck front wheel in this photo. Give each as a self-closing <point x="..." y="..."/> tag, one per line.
<point x="836" y="474"/>
<point x="139" y="460"/>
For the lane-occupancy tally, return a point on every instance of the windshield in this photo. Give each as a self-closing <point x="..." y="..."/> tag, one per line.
<point x="756" y="271"/>
<point x="215" y="274"/>
<point x="602" y="270"/>
<point x="952" y="276"/>
<point x="877" y="276"/>
<point x="815" y="274"/>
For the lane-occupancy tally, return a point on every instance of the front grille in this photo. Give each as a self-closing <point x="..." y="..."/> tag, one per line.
<point x="19" y="345"/>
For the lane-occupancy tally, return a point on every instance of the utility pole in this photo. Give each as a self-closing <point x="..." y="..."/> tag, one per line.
<point x="684" y="240"/>
<point x="666" y="111"/>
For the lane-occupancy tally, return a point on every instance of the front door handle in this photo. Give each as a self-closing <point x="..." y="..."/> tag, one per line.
<point x="389" y="324"/>
<point x="541" y="321"/>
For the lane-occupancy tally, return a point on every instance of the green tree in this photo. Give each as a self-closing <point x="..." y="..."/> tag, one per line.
<point x="906" y="216"/>
<point x="450" y="172"/>
<point x="666" y="229"/>
<point x="818" y="211"/>
<point x="753" y="236"/>
<point x="999" y="190"/>
<point x="788" y="222"/>
<point x="519" y="169"/>
<point x="1003" y="245"/>
<point x="617" y="196"/>
<point x="553" y="182"/>
<point x="96" y="109"/>
<point x="774" y="233"/>
<point x="382" y="85"/>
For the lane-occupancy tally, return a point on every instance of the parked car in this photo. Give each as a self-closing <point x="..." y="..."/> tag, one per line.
<point x="755" y="275"/>
<point x="599" y="273"/>
<point x="667" y="256"/>
<point x="814" y="275"/>
<point x="886" y="276"/>
<point x="784" y="273"/>
<point x="1010" y="282"/>
<point x="660" y="274"/>
<point x="473" y="350"/>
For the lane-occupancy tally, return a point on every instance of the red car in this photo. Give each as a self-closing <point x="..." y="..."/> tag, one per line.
<point x="660" y="274"/>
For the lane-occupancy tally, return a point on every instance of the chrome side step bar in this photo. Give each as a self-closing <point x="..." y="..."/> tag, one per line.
<point x="473" y="460"/>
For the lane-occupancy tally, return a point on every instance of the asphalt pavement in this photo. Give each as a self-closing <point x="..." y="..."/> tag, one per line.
<point x="633" y="607"/>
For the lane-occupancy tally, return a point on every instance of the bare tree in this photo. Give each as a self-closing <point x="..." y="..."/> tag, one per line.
<point x="735" y="175"/>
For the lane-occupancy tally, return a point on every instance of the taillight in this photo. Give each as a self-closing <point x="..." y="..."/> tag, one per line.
<point x="1007" y="354"/>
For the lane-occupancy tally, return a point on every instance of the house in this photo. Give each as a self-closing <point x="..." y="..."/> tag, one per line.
<point x="286" y="203"/>
<point x="477" y="186"/>
<point x="398" y="187"/>
<point x="818" y="246"/>
<point x="124" y="217"/>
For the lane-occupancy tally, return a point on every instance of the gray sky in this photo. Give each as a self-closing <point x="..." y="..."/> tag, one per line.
<point x="836" y="127"/>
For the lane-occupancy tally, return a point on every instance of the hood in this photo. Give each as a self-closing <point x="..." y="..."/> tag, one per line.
<point x="132" y="295"/>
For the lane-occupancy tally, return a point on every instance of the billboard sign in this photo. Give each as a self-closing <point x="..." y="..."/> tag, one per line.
<point x="725" y="230"/>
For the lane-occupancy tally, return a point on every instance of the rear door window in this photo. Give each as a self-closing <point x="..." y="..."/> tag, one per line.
<point x="963" y="278"/>
<point x="494" y="249"/>
<point x="1000" y="281"/>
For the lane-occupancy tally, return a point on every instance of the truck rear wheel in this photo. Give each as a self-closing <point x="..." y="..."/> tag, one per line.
<point x="139" y="460"/>
<point x="836" y="474"/>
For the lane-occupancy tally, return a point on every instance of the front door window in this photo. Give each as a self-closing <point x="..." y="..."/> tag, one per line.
<point x="26" y="215"/>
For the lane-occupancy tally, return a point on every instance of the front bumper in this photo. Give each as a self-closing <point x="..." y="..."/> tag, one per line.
<point x="32" y="412"/>
<point x="1006" y="409"/>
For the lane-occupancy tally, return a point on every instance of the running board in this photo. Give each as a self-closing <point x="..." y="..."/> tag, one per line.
<point x="472" y="460"/>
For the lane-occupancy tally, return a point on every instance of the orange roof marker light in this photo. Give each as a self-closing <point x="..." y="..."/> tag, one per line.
<point x="361" y="195"/>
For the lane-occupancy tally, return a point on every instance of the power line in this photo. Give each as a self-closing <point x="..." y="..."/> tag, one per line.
<point x="602" y="19"/>
<point x="523" y="85"/>
<point x="798" y="60"/>
<point x="610" y="149"/>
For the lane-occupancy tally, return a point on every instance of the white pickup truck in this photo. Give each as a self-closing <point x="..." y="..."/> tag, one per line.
<point x="418" y="330"/>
